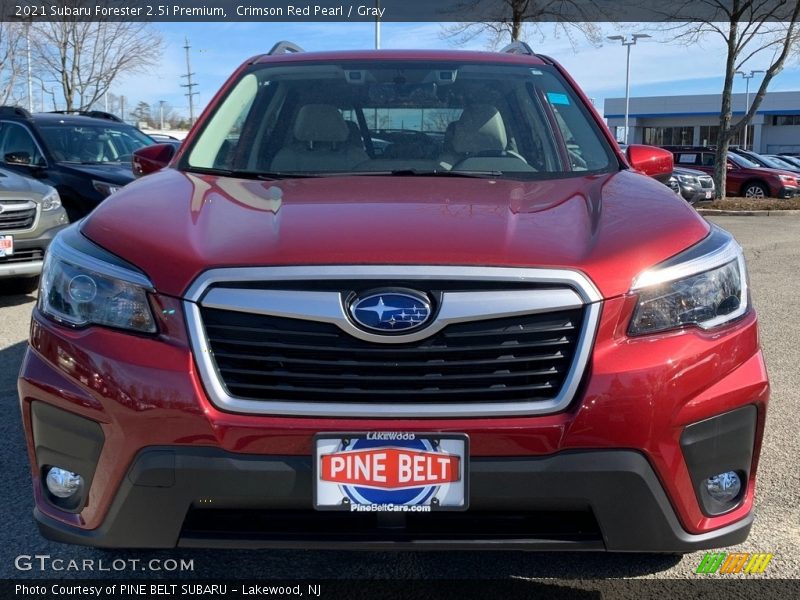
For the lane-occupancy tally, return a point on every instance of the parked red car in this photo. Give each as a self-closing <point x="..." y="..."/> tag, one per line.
<point x="491" y="332"/>
<point x="745" y="177"/>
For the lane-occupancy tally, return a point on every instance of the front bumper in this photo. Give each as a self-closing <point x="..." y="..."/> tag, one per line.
<point x="612" y="462"/>
<point x="694" y="194"/>
<point x="585" y="500"/>
<point x="12" y="267"/>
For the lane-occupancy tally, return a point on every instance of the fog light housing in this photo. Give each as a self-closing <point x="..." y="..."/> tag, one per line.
<point x="724" y="487"/>
<point x="62" y="483"/>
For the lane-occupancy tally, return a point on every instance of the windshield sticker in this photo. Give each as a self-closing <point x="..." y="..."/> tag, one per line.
<point x="556" y="98"/>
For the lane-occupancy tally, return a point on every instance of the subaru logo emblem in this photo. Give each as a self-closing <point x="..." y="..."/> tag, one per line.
<point x="387" y="311"/>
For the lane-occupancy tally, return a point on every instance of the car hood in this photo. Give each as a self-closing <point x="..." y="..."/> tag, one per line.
<point x="120" y="173"/>
<point x="174" y="225"/>
<point x="685" y="171"/>
<point x="770" y="171"/>
<point x="11" y="183"/>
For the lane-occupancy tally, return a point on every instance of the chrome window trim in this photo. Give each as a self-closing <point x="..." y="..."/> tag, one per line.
<point x="581" y="292"/>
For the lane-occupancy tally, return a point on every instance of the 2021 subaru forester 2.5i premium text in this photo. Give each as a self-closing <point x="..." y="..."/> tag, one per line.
<point x="396" y="299"/>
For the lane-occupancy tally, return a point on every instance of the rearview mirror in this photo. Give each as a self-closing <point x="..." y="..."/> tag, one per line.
<point x="652" y="161"/>
<point x="152" y="158"/>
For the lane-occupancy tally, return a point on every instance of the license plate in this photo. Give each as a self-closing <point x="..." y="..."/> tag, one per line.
<point x="708" y="195"/>
<point x="6" y="245"/>
<point x="390" y="471"/>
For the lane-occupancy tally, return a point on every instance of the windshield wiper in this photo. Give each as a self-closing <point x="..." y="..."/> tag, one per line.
<point x="265" y="175"/>
<point x="443" y="173"/>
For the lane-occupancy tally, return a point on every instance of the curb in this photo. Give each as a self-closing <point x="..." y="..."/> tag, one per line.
<point x="710" y="212"/>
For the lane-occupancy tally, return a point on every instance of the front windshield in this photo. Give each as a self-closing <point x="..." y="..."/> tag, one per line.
<point x="791" y="160"/>
<point x="92" y="144"/>
<point x="777" y="163"/>
<point x="401" y="118"/>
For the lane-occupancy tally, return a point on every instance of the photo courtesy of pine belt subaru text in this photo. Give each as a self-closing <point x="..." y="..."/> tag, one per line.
<point x="395" y="300"/>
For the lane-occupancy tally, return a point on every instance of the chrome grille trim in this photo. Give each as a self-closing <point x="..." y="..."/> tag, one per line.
<point x="18" y="216"/>
<point x="575" y="291"/>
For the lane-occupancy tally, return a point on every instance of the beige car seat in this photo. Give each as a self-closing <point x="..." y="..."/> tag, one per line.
<point x="320" y="142"/>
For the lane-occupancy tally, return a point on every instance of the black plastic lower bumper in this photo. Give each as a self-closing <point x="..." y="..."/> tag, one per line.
<point x="576" y="500"/>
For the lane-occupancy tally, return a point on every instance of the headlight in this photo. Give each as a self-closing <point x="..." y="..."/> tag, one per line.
<point x="688" y="179"/>
<point x="80" y="289"/>
<point x="51" y="200"/>
<point x="787" y="178"/>
<point x="106" y="188"/>
<point x="706" y="286"/>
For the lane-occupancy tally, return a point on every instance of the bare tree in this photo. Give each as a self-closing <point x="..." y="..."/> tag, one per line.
<point x="504" y="21"/>
<point x="86" y="58"/>
<point x="12" y="64"/>
<point x="762" y="29"/>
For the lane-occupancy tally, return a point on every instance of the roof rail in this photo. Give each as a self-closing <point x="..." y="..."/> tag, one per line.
<point x="518" y="48"/>
<point x="284" y="47"/>
<point x="15" y="111"/>
<point x="95" y="114"/>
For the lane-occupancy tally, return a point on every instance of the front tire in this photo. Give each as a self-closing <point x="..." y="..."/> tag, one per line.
<point x="756" y="190"/>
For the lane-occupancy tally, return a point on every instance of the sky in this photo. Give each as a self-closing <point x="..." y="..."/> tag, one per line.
<point x="657" y="67"/>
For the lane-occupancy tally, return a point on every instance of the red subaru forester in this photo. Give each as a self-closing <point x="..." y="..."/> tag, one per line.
<point x="396" y="299"/>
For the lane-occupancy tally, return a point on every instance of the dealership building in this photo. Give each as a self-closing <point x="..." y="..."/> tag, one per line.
<point x="694" y="120"/>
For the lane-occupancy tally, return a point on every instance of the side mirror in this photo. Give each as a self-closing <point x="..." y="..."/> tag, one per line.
<point x="652" y="161"/>
<point x="152" y="158"/>
<point x="18" y="158"/>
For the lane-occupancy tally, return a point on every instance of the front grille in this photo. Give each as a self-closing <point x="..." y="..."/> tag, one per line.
<point x="17" y="215"/>
<point x="23" y="256"/>
<point x="706" y="182"/>
<point x="524" y="358"/>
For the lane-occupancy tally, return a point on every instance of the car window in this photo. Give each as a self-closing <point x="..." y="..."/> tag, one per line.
<point x="687" y="159"/>
<point x="384" y="116"/>
<point x="741" y="161"/>
<point x="92" y="143"/>
<point x="777" y="163"/>
<point x="17" y="146"/>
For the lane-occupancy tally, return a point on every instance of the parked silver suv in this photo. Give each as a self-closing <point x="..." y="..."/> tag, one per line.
<point x="30" y="216"/>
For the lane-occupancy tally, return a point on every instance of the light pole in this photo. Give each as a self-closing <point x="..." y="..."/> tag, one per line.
<point x="628" y="41"/>
<point x="377" y="25"/>
<point x="161" y="104"/>
<point x="747" y="77"/>
<point x="30" y="78"/>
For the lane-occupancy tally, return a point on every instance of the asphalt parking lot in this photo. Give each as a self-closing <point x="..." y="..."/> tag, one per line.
<point x="772" y="246"/>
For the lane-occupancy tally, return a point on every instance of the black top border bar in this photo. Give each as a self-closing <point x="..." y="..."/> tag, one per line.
<point x="542" y="11"/>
